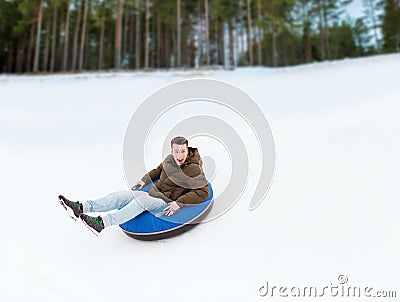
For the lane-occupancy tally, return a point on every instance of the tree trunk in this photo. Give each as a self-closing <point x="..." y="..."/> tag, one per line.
<point x="137" y="48"/>
<point x="249" y="33"/>
<point x="76" y="34"/>
<point x="167" y="62"/>
<point x="221" y="48"/>
<point x="59" y="47"/>
<point x="259" y="53"/>
<point x="191" y="52"/>
<point x="152" y="49"/>
<point x="231" y="60"/>
<point x="66" y="37"/>
<point x="39" y="29"/>
<point x="308" y="43"/>
<point x="241" y="35"/>
<point x="30" y="48"/>
<point x="178" y="35"/>
<point x="46" y="45"/>
<point x="172" y="57"/>
<point x="326" y="31"/>
<point x="274" y="48"/>
<point x="10" y="56"/>
<point x="146" y="39"/>
<point x="306" y="32"/>
<point x="186" y="42"/>
<point x="86" y="60"/>
<point x="83" y="33"/>
<point x="20" y="54"/>
<point x="110" y="59"/>
<point x="285" y="52"/>
<point x="321" y="31"/>
<point x="101" y="43"/>
<point x="216" y="30"/>
<point x="199" y="36"/>
<point x="117" y="58"/>
<point x="236" y="40"/>
<point x="207" y="34"/>
<point x="321" y="42"/>
<point x="125" y="31"/>
<point x="53" y="40"/>
<point x="158" y="39"/>
<point x="131" y="36"/>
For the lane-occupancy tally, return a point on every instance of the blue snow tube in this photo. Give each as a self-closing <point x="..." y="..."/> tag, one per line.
<point x="147" y="226"/>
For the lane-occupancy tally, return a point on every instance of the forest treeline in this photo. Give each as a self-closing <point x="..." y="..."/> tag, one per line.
<point x="78" y="35"/>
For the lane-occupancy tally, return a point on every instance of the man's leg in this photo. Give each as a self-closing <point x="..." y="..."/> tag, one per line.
<point x="142" y="202"/>
<point x="109" y="202"/>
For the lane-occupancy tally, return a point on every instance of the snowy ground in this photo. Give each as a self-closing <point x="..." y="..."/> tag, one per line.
<point x="332" y="209"/>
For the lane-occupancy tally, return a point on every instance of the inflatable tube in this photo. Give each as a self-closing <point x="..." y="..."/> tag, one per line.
<point x="147" y="226"/>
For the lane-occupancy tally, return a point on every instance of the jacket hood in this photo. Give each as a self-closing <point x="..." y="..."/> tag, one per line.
<point x="193" y="157"/>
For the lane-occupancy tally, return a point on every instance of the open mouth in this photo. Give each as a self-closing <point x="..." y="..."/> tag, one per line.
<point x="180" y="161"/>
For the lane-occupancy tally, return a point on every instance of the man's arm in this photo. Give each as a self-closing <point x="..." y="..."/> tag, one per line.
<point x="194" y="196"/>
<point x="199" y="194"/>
<point x="152" y="175"/>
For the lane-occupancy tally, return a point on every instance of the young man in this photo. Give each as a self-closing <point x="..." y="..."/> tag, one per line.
<point x="181" y="182"/>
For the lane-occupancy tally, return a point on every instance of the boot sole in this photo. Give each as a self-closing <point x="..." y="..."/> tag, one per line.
<point x="90" y="228"/>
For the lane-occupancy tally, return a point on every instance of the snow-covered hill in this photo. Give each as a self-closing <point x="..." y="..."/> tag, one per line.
<point x="332" y="209"/>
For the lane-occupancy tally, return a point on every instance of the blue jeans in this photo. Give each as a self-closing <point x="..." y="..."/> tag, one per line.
<point x="129" y="203"/>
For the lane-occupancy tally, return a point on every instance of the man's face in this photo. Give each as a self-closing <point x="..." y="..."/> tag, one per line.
<point x="179" y="152"/>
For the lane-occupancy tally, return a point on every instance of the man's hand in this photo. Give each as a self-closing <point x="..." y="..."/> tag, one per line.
<point x="171" y="208"/>
<point x="139" y="185"/>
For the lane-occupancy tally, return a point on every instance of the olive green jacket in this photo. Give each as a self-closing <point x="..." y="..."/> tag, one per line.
<point x="189" y="187"/>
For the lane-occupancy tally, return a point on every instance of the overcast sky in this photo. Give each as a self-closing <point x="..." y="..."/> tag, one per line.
<point x="355" y="9"/>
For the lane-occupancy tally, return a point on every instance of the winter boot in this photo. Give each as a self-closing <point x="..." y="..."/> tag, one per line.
<point x="74" y="208"/>
<point x="95" y="224"/>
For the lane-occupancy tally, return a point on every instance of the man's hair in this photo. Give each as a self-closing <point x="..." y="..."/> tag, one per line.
<point x="179" y="140"/>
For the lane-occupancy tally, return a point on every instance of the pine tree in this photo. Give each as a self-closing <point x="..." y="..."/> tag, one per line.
<point x="391" y="26"/>
<point x="61" y="35"/>
<point x="38" y="36"/>
<point x="118" y="32"/>
<point x="361" y="36"/>
<point x="371" y="8"/>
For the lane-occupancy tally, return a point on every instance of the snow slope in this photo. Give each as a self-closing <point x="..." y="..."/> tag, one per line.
<point x="332" y="209"/>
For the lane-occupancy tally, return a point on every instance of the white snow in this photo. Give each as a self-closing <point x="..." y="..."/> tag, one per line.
<point x="332" y="209"/>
